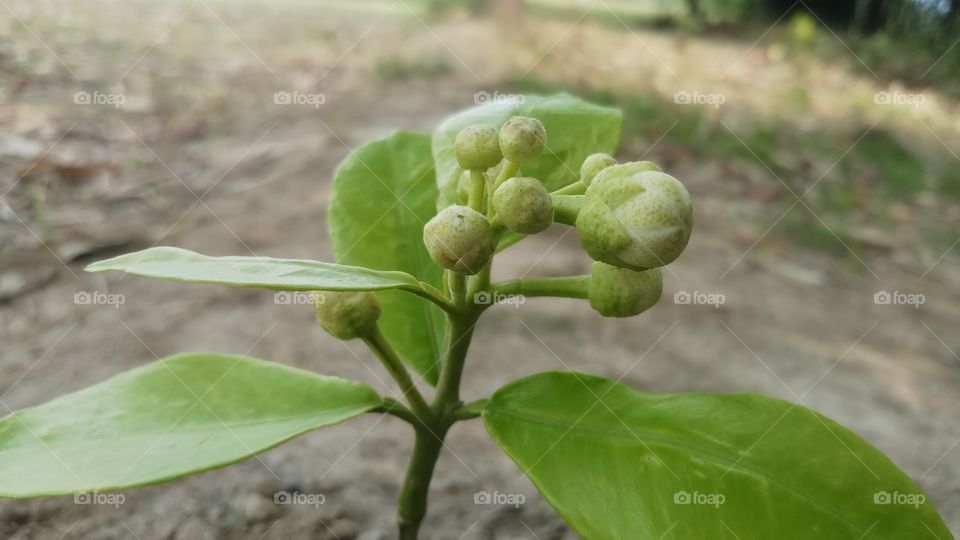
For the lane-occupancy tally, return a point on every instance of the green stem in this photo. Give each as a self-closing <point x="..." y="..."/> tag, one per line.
<point x="471" y="410"/>
<point x="393" y="407"/>
<point x="458" y="343"/>
<point x="412" y="504"/>
<point x="388" y="357"/>
<point x="509" y="170"/>
<point x="576" y="188"/>
<point x="564" y="287"/>
<point x="566" y="208"/>
<point x="477" y="185"/>
<point x="425" y="290"/>
<point x="458" y="290"/>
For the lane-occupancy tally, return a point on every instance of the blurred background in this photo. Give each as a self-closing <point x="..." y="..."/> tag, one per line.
<point x="820" y="141"/>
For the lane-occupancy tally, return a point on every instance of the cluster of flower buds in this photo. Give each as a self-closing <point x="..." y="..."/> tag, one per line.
<point x="632" y="218"/>
<point x="461" y="237"/>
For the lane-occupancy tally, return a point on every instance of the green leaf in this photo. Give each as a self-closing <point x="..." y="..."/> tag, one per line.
<point x="619" y="463"/>
<point x="174" y="417"/>
<point x="383" y="194"/>
<point x="575" y="129"/>
<point x="277" y="274"/>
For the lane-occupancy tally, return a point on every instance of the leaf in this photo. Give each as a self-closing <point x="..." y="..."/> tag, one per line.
<point x="619" y="463"/>
<point x="575" y="129"/>
<point x="277" y="274"/>
<point x="383" y="194"/>
<point x="178" y="416"/>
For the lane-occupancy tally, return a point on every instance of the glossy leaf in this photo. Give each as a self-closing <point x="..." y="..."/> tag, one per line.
<point x="174" y="417"/>
<point x="619" y="463"/>
<point x="277" y="274"/>
<point x="575" y="129"/>
<point x="383" y="194"/>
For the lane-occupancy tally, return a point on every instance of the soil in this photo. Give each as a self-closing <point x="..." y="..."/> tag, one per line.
<point x="199" y="122"/>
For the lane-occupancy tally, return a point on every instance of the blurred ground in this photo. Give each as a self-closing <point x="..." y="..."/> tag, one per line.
<point x="200" y="155"/>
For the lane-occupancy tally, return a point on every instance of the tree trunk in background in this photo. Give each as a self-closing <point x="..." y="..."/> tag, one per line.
<point x="868" y="16"/>
<point x="693" y="9"/>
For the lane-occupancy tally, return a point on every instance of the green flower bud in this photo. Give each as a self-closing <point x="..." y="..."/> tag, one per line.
<point x="624" y="169"/>
<point x="477" y="147"/>
<point x="621" y="292"/>
<point x="523" y="205"/>
<point x="594" y="164"/>
<point x="347" y="315"/>
<point x="459" y="238"/>
<point x="522" y="138"/>
<point x="634" y="219"/>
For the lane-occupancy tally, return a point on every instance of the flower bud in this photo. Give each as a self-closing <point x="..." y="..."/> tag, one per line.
<point x="624" y="169"/>
<point x="523" y="205"/>
<point x="594" y="164"/>
<point x="621" y="292"/>
<point x="634" y="219"/>
<point x="347" y="315"/>
<point x="477" y="147"/>
<point x="459" y="238"/>
<point x="522" y="138"/>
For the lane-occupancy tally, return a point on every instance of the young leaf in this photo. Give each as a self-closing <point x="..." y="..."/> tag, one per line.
<point x="178" y="416"/>
<point x="575" y="129"/>
<point x="619" y="463"/>
<point x="383" y="194"/>
<point x="278" y="274"/>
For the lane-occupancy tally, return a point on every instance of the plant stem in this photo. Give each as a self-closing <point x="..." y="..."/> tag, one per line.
<point x="566" y="208"/>
<point x="576" y="188"/>
<point x="448" y="388"/>
<point x="509" y="170"/>
<point x="384" y="351"/>
<point x="412" y="504"/>
<point x="564" y="287"/>
<point x="477" y="185"/>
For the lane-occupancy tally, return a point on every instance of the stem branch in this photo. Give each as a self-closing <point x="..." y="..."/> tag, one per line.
<point x="384" y="351"/>
<point x="564" y="287"/>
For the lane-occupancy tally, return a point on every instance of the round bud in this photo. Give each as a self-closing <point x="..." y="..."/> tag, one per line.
<point x="459" y="238"/>
<point x="522" y="138"/>
<point x="477" y="147"/>
<point x="621" y="292"/>
<point x="594" y="164"/>
<point x="635" y="220"/>
<point x="348" y="314"/>
<point x="524" y="205"/>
